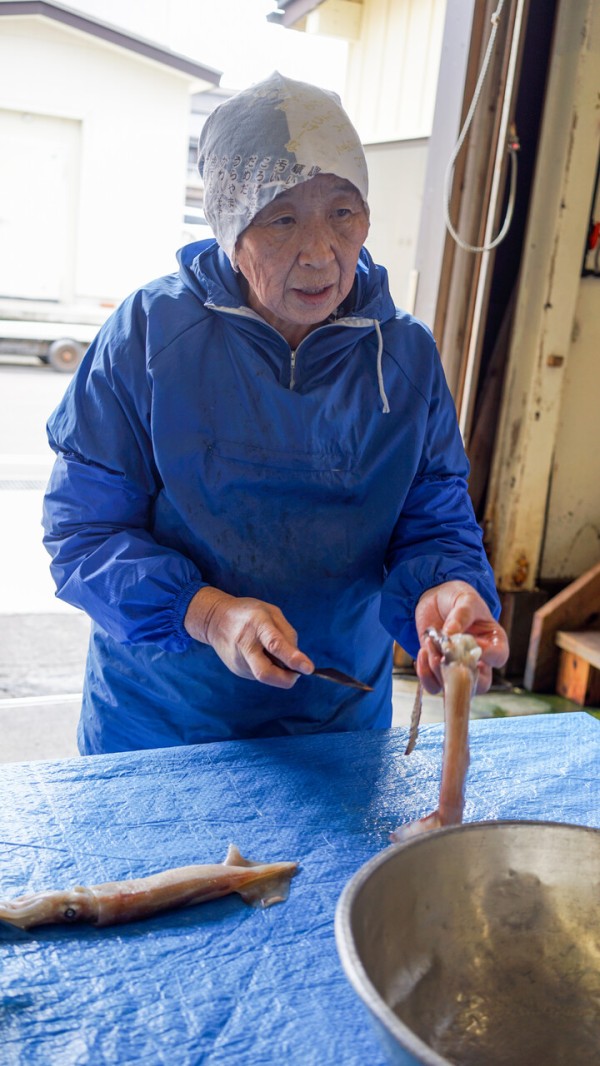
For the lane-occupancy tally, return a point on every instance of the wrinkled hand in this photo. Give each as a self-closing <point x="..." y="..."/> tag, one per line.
<point x="241" y="630"/>
<point x="455" y="607"/>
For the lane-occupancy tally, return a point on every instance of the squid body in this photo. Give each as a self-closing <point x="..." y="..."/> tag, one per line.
<point x="460" y="655"/>
<point x="113" y="902"/>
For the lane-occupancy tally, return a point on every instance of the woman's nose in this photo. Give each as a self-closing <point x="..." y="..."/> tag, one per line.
<point x="316" y="245"/>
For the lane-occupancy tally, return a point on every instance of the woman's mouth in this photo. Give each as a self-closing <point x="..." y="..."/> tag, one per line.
<point x="314" y="294"/>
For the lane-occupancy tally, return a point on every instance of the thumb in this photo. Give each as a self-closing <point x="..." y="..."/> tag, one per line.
<point x="460" y="616"/>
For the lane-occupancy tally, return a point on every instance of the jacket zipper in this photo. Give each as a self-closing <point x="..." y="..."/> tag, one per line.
<point x="249" y="313"/>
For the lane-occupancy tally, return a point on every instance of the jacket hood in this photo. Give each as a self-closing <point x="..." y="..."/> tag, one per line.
<point x="205" y="269"/>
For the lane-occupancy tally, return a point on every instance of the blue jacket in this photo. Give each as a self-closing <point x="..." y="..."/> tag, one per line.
<point x="186" y="456"/>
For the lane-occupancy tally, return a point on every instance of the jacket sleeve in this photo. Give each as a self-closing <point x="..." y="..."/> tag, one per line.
<point x="436" y="537"/>
<point x="99" y="501"/>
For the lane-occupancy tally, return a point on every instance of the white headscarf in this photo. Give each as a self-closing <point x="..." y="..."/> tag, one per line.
<point x="268" y="138"/>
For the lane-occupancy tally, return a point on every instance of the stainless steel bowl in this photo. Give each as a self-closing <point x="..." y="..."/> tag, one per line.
<point x="479" y="945"/>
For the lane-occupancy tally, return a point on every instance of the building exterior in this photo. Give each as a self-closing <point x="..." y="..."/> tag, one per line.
<point x="94" y="134"/>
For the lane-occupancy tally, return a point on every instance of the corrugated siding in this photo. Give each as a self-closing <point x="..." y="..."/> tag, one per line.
<point x="393" y="68"/>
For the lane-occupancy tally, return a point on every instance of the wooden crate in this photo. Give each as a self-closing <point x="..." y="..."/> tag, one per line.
<point x="577" y="607"/>
<point x="578" y="676"/>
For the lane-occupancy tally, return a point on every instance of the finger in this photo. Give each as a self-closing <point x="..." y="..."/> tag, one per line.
<point x="288" y="655"/>
<point x="269" y="670"/>
<point x="465" y="611"/>
<point x="432" y="683"/>
<point x="432" y="660"/>
<point x="495" y="647"/>
<point x="484" y="678"/>
<point x="280" y="668"/>
<point x="295" y="659"/>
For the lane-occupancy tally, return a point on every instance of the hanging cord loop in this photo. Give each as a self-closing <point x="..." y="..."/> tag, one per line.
<point x="512" y="146"/>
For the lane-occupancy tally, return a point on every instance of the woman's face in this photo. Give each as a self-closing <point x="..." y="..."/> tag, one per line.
<point x="299" y="254"/>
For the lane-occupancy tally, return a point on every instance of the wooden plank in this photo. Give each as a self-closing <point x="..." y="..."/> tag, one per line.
<point x="481" y="445"/>
<point x="576" y="607"/>
<point x="583" y="643"/>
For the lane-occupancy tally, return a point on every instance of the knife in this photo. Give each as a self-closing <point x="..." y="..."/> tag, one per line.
<point x="328" y="672"/>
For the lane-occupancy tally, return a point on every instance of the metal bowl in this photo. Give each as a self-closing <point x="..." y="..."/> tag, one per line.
<point x="479" y="945"/>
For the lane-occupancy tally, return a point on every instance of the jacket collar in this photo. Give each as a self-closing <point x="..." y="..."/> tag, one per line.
<point x="206" y="270"/>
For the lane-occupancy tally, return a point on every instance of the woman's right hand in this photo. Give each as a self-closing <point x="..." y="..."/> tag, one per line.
<point x="241" y="630"/>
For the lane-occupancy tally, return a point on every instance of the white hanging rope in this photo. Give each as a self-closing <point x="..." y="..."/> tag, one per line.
<point x="512" y="149"/>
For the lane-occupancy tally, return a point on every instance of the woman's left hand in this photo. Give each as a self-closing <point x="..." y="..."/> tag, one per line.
<point x="455" y="607"/>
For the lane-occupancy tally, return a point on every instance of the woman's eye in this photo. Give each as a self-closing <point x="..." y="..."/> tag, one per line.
<point x="343" y="212"/>
<point x="283" y="220"/>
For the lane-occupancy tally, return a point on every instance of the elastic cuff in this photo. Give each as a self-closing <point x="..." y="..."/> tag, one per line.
<point x="180" y="606"/>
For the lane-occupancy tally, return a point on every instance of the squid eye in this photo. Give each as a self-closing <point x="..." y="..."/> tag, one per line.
<point x="70" y="914"/>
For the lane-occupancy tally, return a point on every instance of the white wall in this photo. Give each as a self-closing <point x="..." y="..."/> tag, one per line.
<point x="396" y="182"/>
<point x="133" y="117"/>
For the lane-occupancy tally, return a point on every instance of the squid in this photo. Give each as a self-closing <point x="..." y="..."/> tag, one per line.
<point x="114" y="902"/>
<point x="460" y="656"/>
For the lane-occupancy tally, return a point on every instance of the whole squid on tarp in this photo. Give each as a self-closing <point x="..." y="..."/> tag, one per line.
<point x="460" y="656"/>
<point x="114" y="902"/>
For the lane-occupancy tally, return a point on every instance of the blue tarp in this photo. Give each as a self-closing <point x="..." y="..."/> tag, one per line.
<point x="224" y="983"/>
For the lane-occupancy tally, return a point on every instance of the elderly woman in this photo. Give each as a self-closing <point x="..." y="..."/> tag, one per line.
<point x="259" y="457"/>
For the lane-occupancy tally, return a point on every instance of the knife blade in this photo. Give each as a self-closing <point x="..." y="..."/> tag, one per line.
<point x="328" y="672"/>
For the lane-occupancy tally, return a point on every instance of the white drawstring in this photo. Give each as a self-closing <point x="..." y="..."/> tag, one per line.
<point x="382" y="392"/>
<point x="356" y="322"/>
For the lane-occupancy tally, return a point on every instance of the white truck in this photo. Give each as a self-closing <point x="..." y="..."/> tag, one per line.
<point x="59" y="337"/>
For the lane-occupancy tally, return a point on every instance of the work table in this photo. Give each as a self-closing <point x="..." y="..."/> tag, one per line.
<point x="223" y="982"/>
